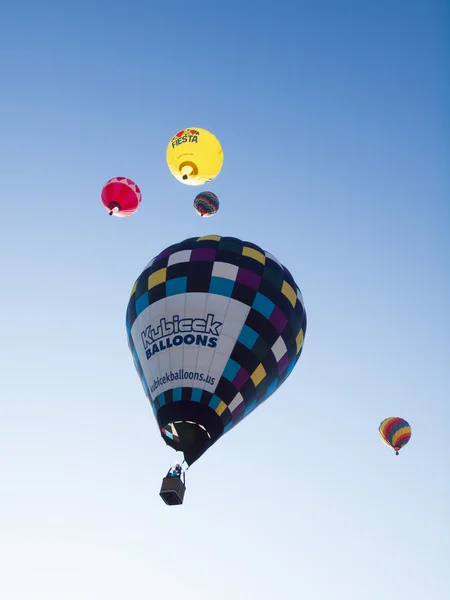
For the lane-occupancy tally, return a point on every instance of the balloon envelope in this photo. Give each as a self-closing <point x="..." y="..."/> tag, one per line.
<point x="194" y="156"/>
<point x="206" y="204"/>
<point x="121" y="197"/>
<point x="215" y="325"/>
<point x="395" y="432"/>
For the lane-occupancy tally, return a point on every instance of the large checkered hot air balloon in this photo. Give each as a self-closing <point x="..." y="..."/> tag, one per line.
<point x="215" y="325"/>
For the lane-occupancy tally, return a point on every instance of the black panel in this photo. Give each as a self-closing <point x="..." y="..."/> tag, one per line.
<point x="243" y="293"/>
<point x="199" y="276"/>
<point x="245" y="357"/>
<point x="225" y="390"/>
<point x="177" y="270"/>
<point x="157" y="293"/>
<point x="262" y="326"/>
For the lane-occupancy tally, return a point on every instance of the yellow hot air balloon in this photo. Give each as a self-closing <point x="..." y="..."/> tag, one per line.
<point x="194" y="156"/>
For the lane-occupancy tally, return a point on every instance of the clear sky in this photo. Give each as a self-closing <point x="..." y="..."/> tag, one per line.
<point x="334" y="120"/>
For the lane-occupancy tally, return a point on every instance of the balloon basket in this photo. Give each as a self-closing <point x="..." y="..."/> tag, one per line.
<point x="172" y="490"/>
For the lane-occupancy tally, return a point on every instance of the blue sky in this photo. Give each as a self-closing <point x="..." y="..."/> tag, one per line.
<point x="334" y="122"/>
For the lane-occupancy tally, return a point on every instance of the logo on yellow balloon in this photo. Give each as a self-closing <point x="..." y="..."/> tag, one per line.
<point x="185" y="135"/>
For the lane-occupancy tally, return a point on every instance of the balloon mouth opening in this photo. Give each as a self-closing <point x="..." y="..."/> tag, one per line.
<point x="193" y="427"/>
<point x="205" y="210"/>
<point x="183" y="432"/>
<point x="186" y="437"/>
<point x="203" y="213"/>
<point x="188" y="169"/>
<point x="113" y="208"/>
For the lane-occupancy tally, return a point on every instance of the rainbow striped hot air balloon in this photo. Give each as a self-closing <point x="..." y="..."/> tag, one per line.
<point x="395" y="432"/>
<point x="206" y="204"/>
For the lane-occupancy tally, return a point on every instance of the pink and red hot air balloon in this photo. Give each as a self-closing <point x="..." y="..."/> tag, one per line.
<point x="121" y="197"/>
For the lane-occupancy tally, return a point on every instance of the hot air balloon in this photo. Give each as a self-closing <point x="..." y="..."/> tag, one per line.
<point x="194" y="156"/>
<point x="215" y="325"/>
<point x="395" y="432"/>
<point x="121" y="197"/>
<point x="206" y="204"/>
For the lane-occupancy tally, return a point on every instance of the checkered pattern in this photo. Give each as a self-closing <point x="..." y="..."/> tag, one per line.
<point x="270" y="342"/>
